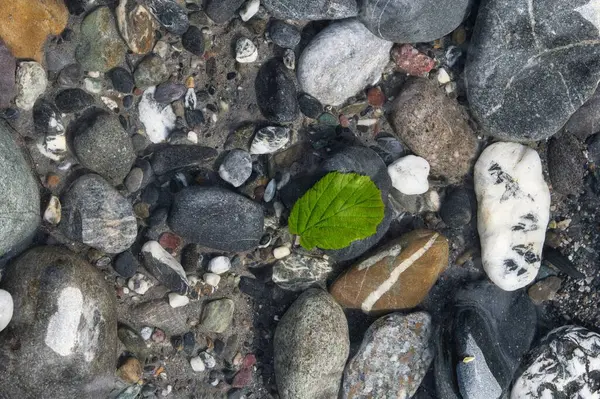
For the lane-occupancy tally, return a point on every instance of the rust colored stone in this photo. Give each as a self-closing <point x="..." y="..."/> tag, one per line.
<point x="130" y="371"/>
<point x="411" y="61"/>
<point x="375" y="97"/>
<point x="170" y="242"/>
<point x="411" y="265"/>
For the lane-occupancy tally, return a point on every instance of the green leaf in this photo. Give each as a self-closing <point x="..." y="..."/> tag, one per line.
<point x="339" y="209"/>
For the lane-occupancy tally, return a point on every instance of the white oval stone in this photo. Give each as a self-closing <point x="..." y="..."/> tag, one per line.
<point x="197" y="364"/>
<point x="409" y="175"/>
<point x="177" y="301"/>
<point x="513" y="213"/>
<point x="212" y="279"/>
<point x="281" y="252"/>
<point x="52" y="214"/>
<point x="219" y="265"/>
<point x="249" y="9"/>
<point x="245" y="51"/>
<point x="6" y="309"/>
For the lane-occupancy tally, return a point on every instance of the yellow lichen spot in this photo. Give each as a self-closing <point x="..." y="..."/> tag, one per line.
<point x="468" y="359"/>
<point x="189" y="83"/>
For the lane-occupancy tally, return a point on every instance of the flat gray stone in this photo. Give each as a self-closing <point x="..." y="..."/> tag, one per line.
<point x="311" y="9"/>
<point x="217" y="315"/>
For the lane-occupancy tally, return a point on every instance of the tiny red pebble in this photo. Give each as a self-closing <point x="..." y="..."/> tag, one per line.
<point x="171" y="242"/>
<point x="411" y="61"/>
<point x="249" y="360"/>
<point x="137" y="91"/>
<point x="344" y="122"/>
<point x="158" y="336"/>
<point x="242" y="379"/>
<point x="375" y="97"/>
<point x="52" y="181"/>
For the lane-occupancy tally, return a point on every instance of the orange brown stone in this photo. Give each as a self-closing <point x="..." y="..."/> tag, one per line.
<point x="373" y="289"/>
<point x="27" y="23"/>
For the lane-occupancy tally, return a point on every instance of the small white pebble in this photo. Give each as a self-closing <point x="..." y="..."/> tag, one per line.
<point x="93" y="74"/>
<point x="197" y="364"/>
<point x="52" y="214"/>
<point x="212" y="279"/>
<point x="193" y="280"/>
<point x="219" y="265"/>
<point x="139" y="284"/>
<point x="366" y="122"/>
<point x="146" y="333"/>
<point x="193" y="137"/>
<point x="208" y="360"/>
<point x="249" y="9"/>
<point x="281" y="252"/>
<point x="126" y="290"/>
<point x="167" y="390"/>
<point x="443" y="77"/>
<point x="245" y="51"/>
<point x="177" y="301"/>
<point x="6" y="309"/>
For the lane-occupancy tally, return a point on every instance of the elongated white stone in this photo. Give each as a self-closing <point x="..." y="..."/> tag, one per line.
<point x="513" y="212"/>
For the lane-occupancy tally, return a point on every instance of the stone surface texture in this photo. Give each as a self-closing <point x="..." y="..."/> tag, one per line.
<point x="298" y="272"/>
<point x="101" y="47"/>
<point x="312" y="9"/>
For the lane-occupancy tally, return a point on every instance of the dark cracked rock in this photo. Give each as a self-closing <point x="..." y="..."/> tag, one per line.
<point x="176" y="157"/>
<point x="169" y="14"/>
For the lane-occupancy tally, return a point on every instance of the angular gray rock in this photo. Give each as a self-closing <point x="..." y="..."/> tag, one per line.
<point x="236" y="167"/>
<point x="393" y="358"/>
<point x="175" y="157"/>
<point x="95" y="214"/>
<point x="62" y="340"/>
<point x="298" y="272"/>
<point x="151" y="71"/>
<point x="103" y="146"/>
<point x="217" y="218"/>
<point x="566" y="362"/>
<point x="341" y="60"/>
<point x="311" y="346"/>
<point x="566" y="164"/>
<point x="586" y="120"/>
<point x="550" y="67"/>
<point x="311" y="9"/>
<point x="20" y="206"/>
<point x="217" y="315"/>
<point x="415" y="21"/>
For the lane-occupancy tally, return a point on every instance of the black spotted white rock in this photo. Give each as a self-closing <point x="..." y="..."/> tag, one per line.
<point x="413" y="22"/>
<point x="341" y="60"/>
<point x="393" y="358"/>
<point x="513" y="212"/>
<point x="298" y="272"/>
<point x="62" y="339"/>
<point x="565" y="364"/>
<point x="97" y="215"/>
<point x="550" y="57"/>
<point x="312" y="9"/>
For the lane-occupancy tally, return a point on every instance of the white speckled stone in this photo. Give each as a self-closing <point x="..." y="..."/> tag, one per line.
<point x="513" y="212"/>
<point x="158" y="119"/>
<point x="31" y="84"/>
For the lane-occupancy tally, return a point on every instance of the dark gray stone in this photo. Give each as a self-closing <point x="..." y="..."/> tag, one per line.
<point x="566" y="164"/>
<point x="8" y="66"/>
<point x="45" y="117"/>
<point x="586" y="120"/>
<point x="594" y="149"/>
<point x="20" y="206"/>
<point x="484" y="319"/>
<point x="193" y="41"/>
<point x="236" y="167"/>
<point x="62" y="340"/>
<point x="103" y="146"/>
<point x="457" y="210"/>
<point x="217" y="218"/>
<point x="126" y="264"/>
<point x="194" y="117"/>
<point x="169" y="14"/>
<point x="166" y="269"/>
<point x="311" y="344"/>
<point x="151" y="71"/>
<point x="175" y="157"/>
<point x="363" y="161"/>
<point x="94" y="213"/>
<point x="413" y="22"/>
<point x="284" y="35"/>
<point x="158" y="313"/>
<point x="134" y="180"/>
<point x="122" y="80"/>
<point x="276" y="92"/>
<point x="168" y="92"/>
<point x="70" y="75"/>
<point x="311" y="9"/>
<point x="73" y="100"/>
<point x="550" y="66"/>
<point x="78" y="7"/>
<point x="221" y="11"/>
<point x="310" y="106"/>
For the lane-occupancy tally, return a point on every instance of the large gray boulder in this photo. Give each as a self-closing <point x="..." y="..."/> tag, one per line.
<point x="311" y="347"/>
<point x="20" y="205"/>
<point x="62" y="339"/>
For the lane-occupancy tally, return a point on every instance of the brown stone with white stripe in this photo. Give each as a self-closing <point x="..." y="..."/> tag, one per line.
<point x="397" y="276"/>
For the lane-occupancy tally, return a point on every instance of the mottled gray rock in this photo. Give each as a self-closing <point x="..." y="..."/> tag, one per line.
<point x="550" y="56"/>
<point x="393" y="358"/>
<point x="341" y="60"/>
<point x="311" y="347"/>
<point x="8" y="67"/>
<point x="169" y="14"/>
<point x="151" y="71"/>
<point x="311" y="9"/>
<point x="566" y="164"/>
<point x="175" y="157"/>
<point x="217" y="218"/>
<point x="62" y="340"/>
<point x="475" y="379"/>
<point x="73" y="100"/>
<point x="299" y="272"/>
<point x="236" y="167"/>
<point x="20" y="206"/>
<point x="168" y="92"/>
<point x="413" y="22"/>
<point x="103" y="146"/>
<point x="221" y="11"/>
<point x="95" y="214"/>
<point x="566" y="363"/>
<point x="284" y="35"/>
<point x="217" y="315"/>
<point x="276" y="92"/>
<point x="158" y="313"/>
<point x="269" y="140"/>
<point x="164" y="267"/>
<point x="31" y="84"/>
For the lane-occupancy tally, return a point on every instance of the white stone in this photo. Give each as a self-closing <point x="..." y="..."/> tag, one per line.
<point x="219" y="265"/>
<point x="197" y="364"/>
<point x="281" y="252"/>
<point x="158" y="119"/>
<point x="342" y="60"/>
<point x="146" y="333"/>
<point x="54" y="146"/>
<point x="93" y="86"/>
<point x="139" y="283"/>
<point x="6" y="309"/>
<point x="208" y="359"/>
<point x="177" y="301"/>
<point x="245" y="51"/>
<point x="443" y="77"/>
<point x="52" y="214"/>
<point x="212" y="279"/>
<point x="61" y="333"/>
<point x="110" y="103"/>
<point x="409" y="175"/>
<point x="513" y="213"/>
<point x="31" y="84"/>
<point x="269" y="140"/>
<point x="249" y="9"/>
